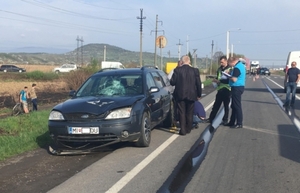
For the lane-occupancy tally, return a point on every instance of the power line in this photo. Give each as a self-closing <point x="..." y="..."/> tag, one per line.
<point x="60" y="23"/>
<point x="60" y="10"/>
<point x="93" y="5"/>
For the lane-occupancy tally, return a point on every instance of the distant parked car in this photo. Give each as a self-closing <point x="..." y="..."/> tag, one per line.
<point x="265" y="71"/>
<point x="65" y="68"/>
<point x="111" y="106"/>
<point x="11" y="68"/>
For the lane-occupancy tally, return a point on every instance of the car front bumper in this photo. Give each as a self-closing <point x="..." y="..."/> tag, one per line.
<point x="110" y="131"/>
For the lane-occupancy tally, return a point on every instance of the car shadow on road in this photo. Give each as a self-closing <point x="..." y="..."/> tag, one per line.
<point x="288" y="142"/>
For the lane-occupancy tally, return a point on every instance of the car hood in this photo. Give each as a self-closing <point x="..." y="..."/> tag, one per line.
<point x="95" y="105"/>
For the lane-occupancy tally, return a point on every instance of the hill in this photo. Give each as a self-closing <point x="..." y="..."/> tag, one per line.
<point x="84" y="55"/>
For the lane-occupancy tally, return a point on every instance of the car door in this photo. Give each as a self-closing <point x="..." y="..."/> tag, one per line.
<point x="12" y="69"/>
<point x="163" y="94"/>
<point x="168" y="92"/>
<point x="153" y="100"/>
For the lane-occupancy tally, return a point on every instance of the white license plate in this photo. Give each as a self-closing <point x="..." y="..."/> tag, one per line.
<point x="83" y="130"/>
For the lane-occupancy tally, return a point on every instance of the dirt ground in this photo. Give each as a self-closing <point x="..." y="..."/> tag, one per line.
<point x="39" y="171"/>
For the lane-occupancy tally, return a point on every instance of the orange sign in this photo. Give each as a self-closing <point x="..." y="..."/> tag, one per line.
<point x="161" y="41"/>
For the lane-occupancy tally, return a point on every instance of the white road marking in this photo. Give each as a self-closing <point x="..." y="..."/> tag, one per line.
<point x="293" y="118"/>
<point x="269" y="132"/>
<point x="131" y="174"/>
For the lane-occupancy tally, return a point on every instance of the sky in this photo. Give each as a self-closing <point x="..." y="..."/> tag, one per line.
<point x="265" y="30"/>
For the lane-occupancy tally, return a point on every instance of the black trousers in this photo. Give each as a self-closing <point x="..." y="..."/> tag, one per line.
<point x="223" y="96"/>
<point x="34" y="104"/>
<point x="185" y="112"/>
<point x="236" y="105"/>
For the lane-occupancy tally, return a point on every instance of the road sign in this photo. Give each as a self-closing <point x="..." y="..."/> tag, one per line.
<point x="161" y="41"/>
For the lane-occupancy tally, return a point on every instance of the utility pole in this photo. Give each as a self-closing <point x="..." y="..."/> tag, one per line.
<point x="206" y="64"/>
<point x="169" y="54"/>
<point x="81" y="50"/>
<point x="104" y="54"/>
<point x="187" y="44"/>
<point x="212" y="52"/>
<point x="77" y="51"/>
<point x="141" y="36"/>
<point x="194" y="55"/>
<point x="179" y="49"/>
<point x="155" y="55"/>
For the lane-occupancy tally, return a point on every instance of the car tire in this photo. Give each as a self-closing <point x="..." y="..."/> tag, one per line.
<point x="57" y="71"/>
<point x="168" y="122"/>
<point x="20" y="71"/>
<point x="145" y="132"/>
<point x="4" y="70"/>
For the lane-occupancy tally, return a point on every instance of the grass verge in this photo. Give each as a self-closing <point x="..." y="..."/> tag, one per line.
<point x="23" y="133"/>
<point x="207" y="82"/>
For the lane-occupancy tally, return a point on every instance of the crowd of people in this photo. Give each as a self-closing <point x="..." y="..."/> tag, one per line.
<point x="230" y="81"/>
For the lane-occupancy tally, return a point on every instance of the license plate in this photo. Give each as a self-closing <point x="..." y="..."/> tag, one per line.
<point x="83" y="130"/>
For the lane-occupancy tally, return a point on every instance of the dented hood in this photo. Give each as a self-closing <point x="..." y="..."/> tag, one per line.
<point x="95" y="105"/>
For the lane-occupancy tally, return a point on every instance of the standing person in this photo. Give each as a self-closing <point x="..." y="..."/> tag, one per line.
<point x="23" y="99"/>
<point x="179" y="63"/>
<point x="33" y="97"/>
<point x="291" y="80"/>
<point x="237" y="83"/>
<point x="186" y="80"/>
<point x="223" y="94"/>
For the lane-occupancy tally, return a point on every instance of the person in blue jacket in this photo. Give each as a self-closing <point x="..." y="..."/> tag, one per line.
<point x="237" y="82"/>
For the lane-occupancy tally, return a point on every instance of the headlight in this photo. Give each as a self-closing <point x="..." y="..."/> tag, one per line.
<point x="57" y="116"/>
<point x="119" y="114"/>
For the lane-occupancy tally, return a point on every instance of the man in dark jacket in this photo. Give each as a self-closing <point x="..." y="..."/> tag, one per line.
<point x="223" y="94"/>
<point x="186" y="80"/>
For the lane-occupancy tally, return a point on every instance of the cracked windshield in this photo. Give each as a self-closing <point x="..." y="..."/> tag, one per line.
<point x="112" y="85"/>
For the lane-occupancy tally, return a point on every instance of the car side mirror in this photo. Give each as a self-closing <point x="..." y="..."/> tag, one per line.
<point x="72" y="93"/>
<point x="153" y="89"/>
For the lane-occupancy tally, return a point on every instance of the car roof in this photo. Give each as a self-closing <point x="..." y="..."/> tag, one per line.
<point x="110" y="71"/>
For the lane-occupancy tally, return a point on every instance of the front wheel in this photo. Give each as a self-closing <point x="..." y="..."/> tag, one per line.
<point x="17" y="109"/>
<point x="145" y="132"/>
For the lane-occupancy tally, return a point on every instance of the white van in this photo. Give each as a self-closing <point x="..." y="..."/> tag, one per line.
<point x="293" y="56"/>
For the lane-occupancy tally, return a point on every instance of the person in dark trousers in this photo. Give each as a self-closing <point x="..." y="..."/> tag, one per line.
<point x="33" y="97"/>
<point x="186" y="80"/>
<point x="223" y="94"/>
<point x="179" y="63"/>
<point x="237" y="83"/>
<point x="291" y="80"/>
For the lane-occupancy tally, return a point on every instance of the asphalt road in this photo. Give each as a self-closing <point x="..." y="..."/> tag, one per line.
<point x="264" y="156"/>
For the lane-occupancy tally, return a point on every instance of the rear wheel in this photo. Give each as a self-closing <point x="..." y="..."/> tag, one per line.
<point x="145" y="132"/>
<point x="57" y="71"/>
<point x="20" y="71"/>
<point x="4" y="70"/>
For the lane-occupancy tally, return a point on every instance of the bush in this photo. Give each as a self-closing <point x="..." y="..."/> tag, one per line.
<point x="75" y="79"/>
<point x="39" y="75"/>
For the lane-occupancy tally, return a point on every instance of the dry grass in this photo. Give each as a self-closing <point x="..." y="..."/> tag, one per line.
<point x="14" y="88"/>
<point x="33" y="67"/>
